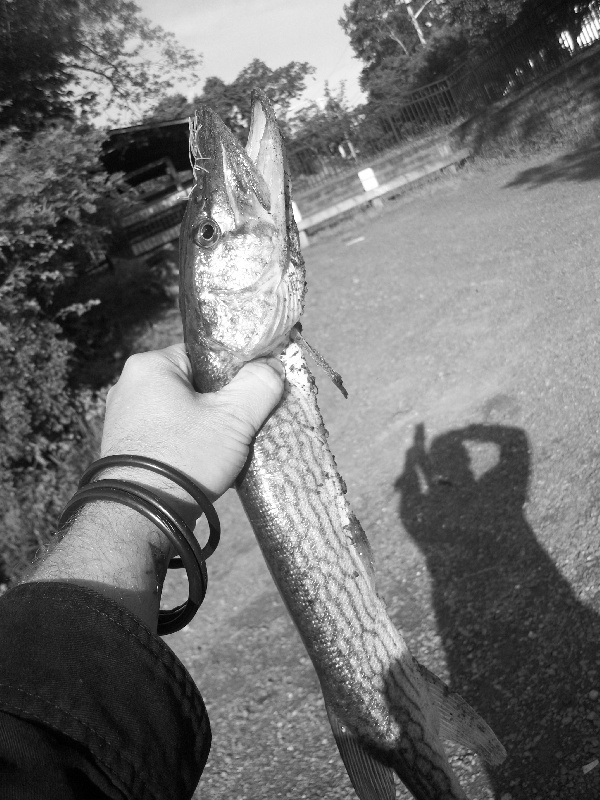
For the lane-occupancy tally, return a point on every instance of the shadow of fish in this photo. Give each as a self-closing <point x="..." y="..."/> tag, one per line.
<point x="242" y="293"/>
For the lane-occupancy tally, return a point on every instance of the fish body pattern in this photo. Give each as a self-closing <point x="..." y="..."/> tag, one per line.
<point x="242" y="293"/>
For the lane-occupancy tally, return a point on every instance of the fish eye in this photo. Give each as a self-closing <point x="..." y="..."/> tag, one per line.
<point x="207" y="233"/>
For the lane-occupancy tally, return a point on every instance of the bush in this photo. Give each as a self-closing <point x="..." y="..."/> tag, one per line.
<point x="54" y="226"/>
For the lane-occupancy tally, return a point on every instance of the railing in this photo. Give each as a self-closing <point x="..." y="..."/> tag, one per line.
<point x="550" y="36"/>
<point x="528" y="50"/>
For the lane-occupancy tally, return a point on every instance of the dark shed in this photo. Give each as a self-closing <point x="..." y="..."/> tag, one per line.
<point x="154" y="158"/>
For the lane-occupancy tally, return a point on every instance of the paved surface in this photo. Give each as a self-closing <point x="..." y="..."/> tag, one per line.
<point x="465" y="325"/>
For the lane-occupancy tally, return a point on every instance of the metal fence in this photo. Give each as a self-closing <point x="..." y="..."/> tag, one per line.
<point x="551" y="35"/>
<point x="528" y="50"/>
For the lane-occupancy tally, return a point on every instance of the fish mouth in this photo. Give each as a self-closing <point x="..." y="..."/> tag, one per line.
<point x="224" y="172"/>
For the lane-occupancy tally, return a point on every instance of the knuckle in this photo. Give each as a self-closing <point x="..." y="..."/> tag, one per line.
<point x="140" y="364"/>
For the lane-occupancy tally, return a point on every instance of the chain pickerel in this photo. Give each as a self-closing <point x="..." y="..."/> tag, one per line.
<point x="242" y="294"/>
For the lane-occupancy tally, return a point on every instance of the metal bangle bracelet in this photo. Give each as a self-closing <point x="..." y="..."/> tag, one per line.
<point x="181" y="537"/>
<point x="182" y="480"/>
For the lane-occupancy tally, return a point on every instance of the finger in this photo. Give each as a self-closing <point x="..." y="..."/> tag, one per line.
<point x="255" y="391"/>
<point x="177" y="355"/>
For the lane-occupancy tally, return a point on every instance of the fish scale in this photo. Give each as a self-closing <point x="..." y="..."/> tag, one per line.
<point x="294" y="499"/>
<point x="241" y="295"/>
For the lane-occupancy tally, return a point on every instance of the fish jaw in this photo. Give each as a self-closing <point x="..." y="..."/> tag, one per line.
<point x="241" y="284"/>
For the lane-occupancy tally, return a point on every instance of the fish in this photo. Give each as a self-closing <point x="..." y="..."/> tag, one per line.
<point x="242" y="294"/>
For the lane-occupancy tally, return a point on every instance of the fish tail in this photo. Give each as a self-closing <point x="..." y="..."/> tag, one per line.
<point x="419" y="760"/>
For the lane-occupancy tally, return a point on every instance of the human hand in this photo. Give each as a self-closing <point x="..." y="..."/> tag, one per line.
<point x="154" y="411"/>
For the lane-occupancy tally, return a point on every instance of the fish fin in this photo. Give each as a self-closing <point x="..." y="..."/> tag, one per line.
<point x="460" y="723"/>
<point x="371" y="779"/>
<point x="335" y="377"/>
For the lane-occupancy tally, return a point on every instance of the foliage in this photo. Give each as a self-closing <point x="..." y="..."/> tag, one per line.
<point x="61" y="62"/>
<point x="54" y="225"/>
<point x="483" y="20"/>
<point x="231" y="101"/>
<point x="396" y="75"/>
<point x="378" y="32"/>
<point x="321" y="129"/>
<point x="398" y="61"/>
<point x="170" y="106"/>
<point x="389" y="82"/>
<point x="60" y="58"/>
<point x="396" y="58"/>
<point x="446" y="50"/>
<point x="283" y="85"/>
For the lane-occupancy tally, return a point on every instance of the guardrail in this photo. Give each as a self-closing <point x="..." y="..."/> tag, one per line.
<point x="371" y="195"/>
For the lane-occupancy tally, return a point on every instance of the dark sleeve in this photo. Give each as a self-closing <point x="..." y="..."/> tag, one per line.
<point x="92" y="704"/>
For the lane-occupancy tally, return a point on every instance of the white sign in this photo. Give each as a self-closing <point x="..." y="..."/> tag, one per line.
<point x="368" y="179"/>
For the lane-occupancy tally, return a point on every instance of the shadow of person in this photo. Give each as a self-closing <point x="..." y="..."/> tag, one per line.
<point x="519" y="645"/>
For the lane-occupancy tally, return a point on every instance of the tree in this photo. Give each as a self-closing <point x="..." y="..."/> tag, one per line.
<point x="60" y="58"/>
<point x="320" y="129"/>
<point x="387" y="35"/>
<point x="53" y="198"/>
<point x="223" y="98"/>
<point x="231" y="101"/>
<point x="446" y="49"/>
<point x="171" y="106"/>
<point x="283" y="85"/>
<point x="377" y="30"/>
<point x="483" y="20"/>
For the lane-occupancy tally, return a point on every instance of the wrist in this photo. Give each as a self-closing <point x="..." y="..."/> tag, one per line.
<point x="115" y="551"/>
<point x="165" y="489"/>
<point x="162" y="523"/>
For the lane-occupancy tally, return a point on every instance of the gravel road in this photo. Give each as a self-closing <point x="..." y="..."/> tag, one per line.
<point x="465" y="325"/>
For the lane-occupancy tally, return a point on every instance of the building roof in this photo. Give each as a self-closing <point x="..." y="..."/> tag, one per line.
<point x="128" y="149"/>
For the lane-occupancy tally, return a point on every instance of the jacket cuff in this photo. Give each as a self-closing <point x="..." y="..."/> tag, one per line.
<point x="84" y="666"/>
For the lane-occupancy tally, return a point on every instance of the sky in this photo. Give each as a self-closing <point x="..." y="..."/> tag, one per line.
<point x="231" y="33"/>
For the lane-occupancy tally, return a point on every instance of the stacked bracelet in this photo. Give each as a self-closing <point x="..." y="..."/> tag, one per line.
<point x="191" y="555"/>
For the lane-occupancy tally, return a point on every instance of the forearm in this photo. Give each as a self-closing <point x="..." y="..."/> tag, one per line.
<point x="115" y="551"/>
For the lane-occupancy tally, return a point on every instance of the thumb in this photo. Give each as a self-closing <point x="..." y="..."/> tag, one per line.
<point x="255" y="391"/>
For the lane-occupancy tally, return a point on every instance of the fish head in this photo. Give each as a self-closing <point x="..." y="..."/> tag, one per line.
<point x="242" y="279"/>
